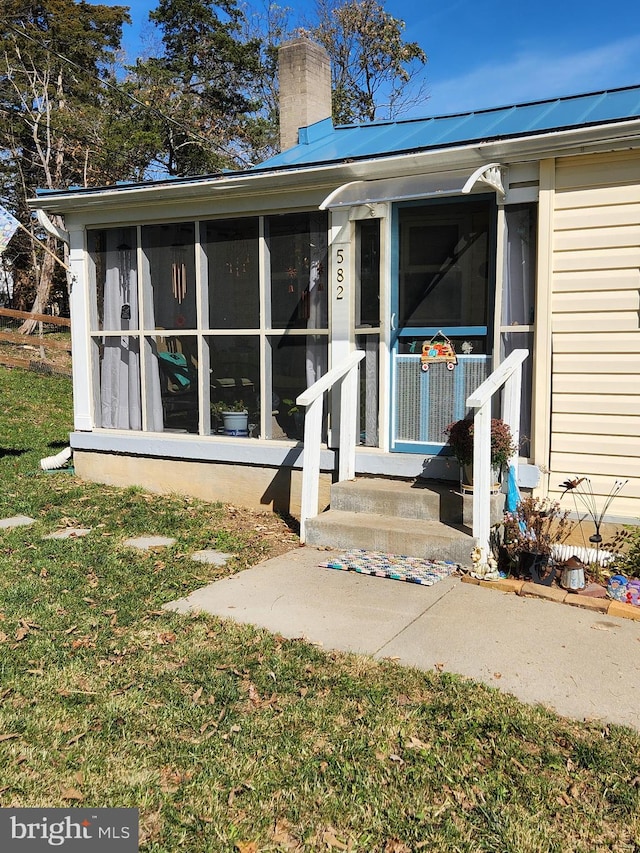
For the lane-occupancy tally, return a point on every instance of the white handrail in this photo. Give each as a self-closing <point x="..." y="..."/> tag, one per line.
<point x="330" y="378"/>
<point x="346" y="376"/>
<point x="509" y="375"/>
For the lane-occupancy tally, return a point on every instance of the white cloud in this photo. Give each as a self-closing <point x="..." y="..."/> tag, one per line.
<point x="537" y="75"/>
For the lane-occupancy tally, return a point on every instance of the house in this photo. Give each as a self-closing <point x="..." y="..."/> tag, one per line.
<point x="492" y="231"/>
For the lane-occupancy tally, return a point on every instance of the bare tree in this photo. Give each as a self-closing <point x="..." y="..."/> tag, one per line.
<point x="375" y="74"/>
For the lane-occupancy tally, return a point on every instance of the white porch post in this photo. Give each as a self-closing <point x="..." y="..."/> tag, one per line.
<point x="509" y="375"/>
<point x="311" y="463"/>
<point x="348" y="426"/>
<point x="511" y="398"/>
<point x="80" y="340"/>
<point x="482" y="477"/>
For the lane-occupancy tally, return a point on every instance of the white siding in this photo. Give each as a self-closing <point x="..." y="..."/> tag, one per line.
<point x="595" y="322"/>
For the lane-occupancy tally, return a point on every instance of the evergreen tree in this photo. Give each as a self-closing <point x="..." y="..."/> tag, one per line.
<point x="203" y="86"/>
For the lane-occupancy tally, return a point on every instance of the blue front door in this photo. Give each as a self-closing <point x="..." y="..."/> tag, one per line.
<point x="442" y="299"/>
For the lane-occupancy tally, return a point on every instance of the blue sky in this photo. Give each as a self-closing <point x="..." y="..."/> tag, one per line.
<point x="485" y="53"/>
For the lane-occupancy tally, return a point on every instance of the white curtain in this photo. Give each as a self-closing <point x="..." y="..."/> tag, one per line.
<point x="120" y="383"/>
<point x="316" y="354"/>
<point x="518" y="300"/>
<point x="120" y="400"/>
<point x="519" y="269"/>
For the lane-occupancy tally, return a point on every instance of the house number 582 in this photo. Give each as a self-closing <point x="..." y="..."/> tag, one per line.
<point x="340" y="273"/>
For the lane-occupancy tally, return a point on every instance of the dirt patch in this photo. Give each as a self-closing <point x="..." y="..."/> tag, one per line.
<point x="269" y="534"/>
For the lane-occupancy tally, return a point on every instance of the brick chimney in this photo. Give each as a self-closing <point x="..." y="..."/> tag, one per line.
<point x="304" y="71"/>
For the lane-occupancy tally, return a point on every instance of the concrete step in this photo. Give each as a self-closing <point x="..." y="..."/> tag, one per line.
<point x="402" y="498"/>
<point x="421" y="499"/>
<point x="428" y="539"/>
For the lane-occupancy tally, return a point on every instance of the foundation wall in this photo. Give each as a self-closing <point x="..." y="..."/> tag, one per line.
<point x="253" y="486"/>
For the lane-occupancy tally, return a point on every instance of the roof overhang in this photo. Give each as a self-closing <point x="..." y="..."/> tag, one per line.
<point x="411" y="187"/>
<point x="325" y="177"/>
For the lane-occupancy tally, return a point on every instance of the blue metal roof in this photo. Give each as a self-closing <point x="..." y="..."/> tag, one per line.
<point x="322" y="143"/>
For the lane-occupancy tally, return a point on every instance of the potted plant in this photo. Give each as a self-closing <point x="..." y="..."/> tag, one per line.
<point x="529" y="534"/>
<point x="234" y="417"/>
<point x="295" y="415"/>
<point x="460" y="440"/>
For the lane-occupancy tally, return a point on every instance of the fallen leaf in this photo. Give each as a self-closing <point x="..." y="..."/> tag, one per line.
<point x="415" y="743"/>
<point x="246" y="847"/>
<point x="439" y="666"/>
<point x="165" y="638"/>
<point x="283" y="838"/>
<point x="76" y="738"/>
<point x="21" y="633"/>
<point x="497" y="675"/>
<point x="396" y="758"/>
<point x="329" y="838"/>
<point x="393" y="845"/>
<point x="170" y="780"/>
<point x="3" y="637"/>
<point x="71" y="794"/>
<point x="83" y="643"/>
<point x="9" y="736"/>
<point x="150" y="827"/>
<point x="197" y="695"/>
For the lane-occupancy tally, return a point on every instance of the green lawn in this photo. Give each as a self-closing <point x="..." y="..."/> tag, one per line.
<point x="231" y="739"/>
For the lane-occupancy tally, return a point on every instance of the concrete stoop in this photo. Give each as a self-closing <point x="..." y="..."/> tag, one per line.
<point x="419" y="518"/>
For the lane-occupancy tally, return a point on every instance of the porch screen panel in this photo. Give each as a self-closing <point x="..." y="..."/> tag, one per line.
<point x="231" y="246"/>
<point x="427" y="402"/>
<point x="367" y="322"/>
<point x="114" y="321"/>
<point x="170" y="298"/>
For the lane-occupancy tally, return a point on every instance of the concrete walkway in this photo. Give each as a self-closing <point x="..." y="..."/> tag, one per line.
<point x="580" y="663"/>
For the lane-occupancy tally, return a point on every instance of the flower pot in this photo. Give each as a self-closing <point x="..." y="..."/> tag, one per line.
<point x="466" y="479"/>
<point x="535" y="565"/>
<point x="236" y="423"/>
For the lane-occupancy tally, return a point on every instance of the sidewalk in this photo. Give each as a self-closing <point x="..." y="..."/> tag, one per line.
<point x="580" y="663"/>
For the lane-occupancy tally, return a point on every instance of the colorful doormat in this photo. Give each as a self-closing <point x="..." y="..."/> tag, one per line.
<point x="393" y="566"/>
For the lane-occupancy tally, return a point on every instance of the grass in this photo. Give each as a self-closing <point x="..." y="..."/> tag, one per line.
<point x="228" y="738"/>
